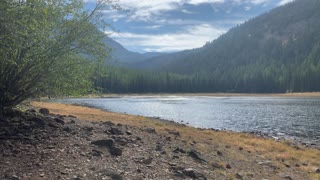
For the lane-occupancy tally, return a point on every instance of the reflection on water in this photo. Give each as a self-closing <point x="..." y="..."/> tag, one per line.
<point x="279" y="117"/>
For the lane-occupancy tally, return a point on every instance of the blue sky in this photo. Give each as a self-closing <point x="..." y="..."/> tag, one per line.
<point x="175" y="25"/>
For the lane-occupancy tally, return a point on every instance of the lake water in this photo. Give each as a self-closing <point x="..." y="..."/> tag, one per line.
<point x="297" y="118"/>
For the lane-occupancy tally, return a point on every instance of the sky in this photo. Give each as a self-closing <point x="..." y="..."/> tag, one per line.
<point x="176" y="25"/>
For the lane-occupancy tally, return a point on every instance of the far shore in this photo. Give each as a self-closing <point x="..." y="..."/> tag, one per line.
<point x="302" y="94"/>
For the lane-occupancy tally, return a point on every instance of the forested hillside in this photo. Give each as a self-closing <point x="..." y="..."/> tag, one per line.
<point x="275" y="52"/>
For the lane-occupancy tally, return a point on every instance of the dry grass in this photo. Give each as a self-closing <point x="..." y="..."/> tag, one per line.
<point x="276" y="151"/>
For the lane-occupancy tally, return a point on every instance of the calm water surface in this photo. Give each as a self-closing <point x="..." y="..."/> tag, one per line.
<point x="297" y="118"/>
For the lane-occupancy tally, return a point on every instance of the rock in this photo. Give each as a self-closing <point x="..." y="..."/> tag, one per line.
<point x="240" y="148"/>
<point x="176" y="133"/>
<point x="115" y="131"/>
<point x="111" y="174"/>
<point x="147" y="161"/>
<point x="96" y="153"/>
<point x="129" y="133"/>
<point x="115" y="151"/>
<point x="67" y="129"/>
<point x="193" y="173"/>
<point x="239" y="176"/>
<point x="38" y="121"/>
<point x="103" y="143"/>
<point x="71" y="116"/>
<point x="265" y="163"/>
<point x="217" y="166"/>
<point x="44" y="111"/>
<point x="59" y="120"/>
<point x="14" y="177"/>
<point x="31" y="110"/>
<point x="88" y="129"/>
<point x="195" y="155"/>
<point x="219" y="153"/>
<point x="159" y="147"/>
<point x="317" y="170"/>
<point x="179" y="150"/>
<point x="287" y="177"/>
<point x="150" y="130"/>
<point x="121" y="141"/>
<point x="108" y="123"/>
<point x="228" y="166"/>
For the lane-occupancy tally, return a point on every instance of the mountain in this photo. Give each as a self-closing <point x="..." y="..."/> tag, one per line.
<point x="277" y="51"/>
<point x="123" y="57"/>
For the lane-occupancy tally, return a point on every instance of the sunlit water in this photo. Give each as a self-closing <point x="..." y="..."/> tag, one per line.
<point x="297" y="118"/>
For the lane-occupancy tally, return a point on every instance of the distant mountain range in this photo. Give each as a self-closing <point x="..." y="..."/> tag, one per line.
<point x="278" y="51"/>
<point x="123" y="57"/>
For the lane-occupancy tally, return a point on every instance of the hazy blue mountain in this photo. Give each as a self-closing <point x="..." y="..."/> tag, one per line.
<point x="123" y="57"/>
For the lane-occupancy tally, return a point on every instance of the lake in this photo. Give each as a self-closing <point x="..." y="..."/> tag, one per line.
<point x="281" y="117"/>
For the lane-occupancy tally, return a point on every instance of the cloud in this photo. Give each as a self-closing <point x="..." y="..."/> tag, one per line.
<point x="283" y="2"/>
<point x="147" y="10"/>
<point x="191" y="37"/>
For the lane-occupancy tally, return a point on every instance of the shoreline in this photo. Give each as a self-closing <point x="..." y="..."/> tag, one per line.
<point x="303" y="94"/>
<point x="275" y="150"/>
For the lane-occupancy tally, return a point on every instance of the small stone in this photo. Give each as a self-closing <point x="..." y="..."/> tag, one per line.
<point x="219" y="153"/>
<point x="317" y="171"/>
<point x="115" y="151"/>
<point x="14" y="177"/>
<point x="103" y="143"/>
<point x="108" y="123"/>
<point x="240" y="148"/>
<point x="115" y="131"/>
<point x="147" y="161"/>
<point x="228" y="166"/>
<point x="150" y="130"/>
<point x="67" y="129"/>
<point x="239" y="176"/>
<point x="195" y="155"/>
<point x="193" y="173"/>
<point x="172" y="164"/>
<point x="59" y="120"/>
<point x="72" y="116"/>
<point x="96" y="153"/>
<point x="44" y="111"/>
<point x="179" y="150"/>
<point x="217" y="166"/>
<point x="129" y="133"/>
<point x="287" y="177"/>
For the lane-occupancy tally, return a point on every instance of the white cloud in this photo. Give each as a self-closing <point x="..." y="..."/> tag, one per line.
<point x="283" y="2"/>
<point x="193" y="37"/>
<point x="146" y="10"/>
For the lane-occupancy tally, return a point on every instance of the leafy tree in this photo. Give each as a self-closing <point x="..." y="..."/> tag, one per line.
<point x="48" y="47"/>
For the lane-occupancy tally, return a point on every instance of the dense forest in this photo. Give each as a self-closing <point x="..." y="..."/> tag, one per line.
<point x="276" y="52"/>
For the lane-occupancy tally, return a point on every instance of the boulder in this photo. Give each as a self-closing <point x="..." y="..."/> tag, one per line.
<point x="44" y="111"/>
<point x="115" y="131"/>
<point x="103" y="143"/>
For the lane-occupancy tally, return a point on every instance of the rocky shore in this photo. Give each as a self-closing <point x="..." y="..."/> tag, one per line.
<point x="36" y="144"/>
